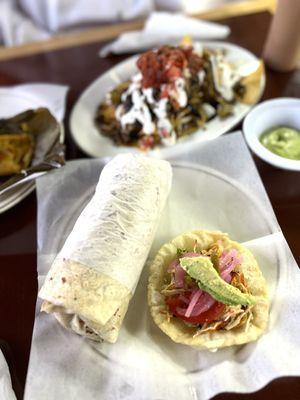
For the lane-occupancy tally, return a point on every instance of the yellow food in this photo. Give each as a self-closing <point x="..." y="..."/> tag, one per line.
<point x="16" y="151"/>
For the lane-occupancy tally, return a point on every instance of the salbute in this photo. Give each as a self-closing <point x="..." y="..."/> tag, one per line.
<point x="207" y="291"/>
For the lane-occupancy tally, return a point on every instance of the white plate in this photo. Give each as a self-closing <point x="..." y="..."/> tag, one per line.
<point x="205" y="211"/>
<point x="12" y="104"/>
<point x="144" y="358"/>
<point x="88" y="138"/>
<point x="277" y="112"/>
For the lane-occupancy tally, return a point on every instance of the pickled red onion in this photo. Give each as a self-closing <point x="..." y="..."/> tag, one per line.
<point x="228" y="258"/>
<point x="228" y="261"/>
<point x="171" y="267"/>
<point x="178" y="271"/>
<point x="194" y="298"/>
<point x="179" y="276"/>
<point x="226" y="277"/>
<point x="204" y="303"/>
<point x="200" y="301"/>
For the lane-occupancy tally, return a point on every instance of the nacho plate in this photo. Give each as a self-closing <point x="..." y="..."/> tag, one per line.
<point x="88" y="138"/>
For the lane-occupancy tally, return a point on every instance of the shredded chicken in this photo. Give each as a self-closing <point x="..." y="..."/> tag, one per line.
<point x="171" y="292"/>
<point x="209" y="327"/>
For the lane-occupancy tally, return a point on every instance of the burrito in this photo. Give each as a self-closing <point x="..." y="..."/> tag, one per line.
<point x="93" y="278"/>
<point x="207" y="291"/>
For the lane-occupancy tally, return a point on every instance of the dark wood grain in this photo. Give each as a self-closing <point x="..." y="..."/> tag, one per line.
<point x="78" y="67"/>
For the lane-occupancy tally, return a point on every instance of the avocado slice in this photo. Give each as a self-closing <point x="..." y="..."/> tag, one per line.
<point x="202" y="270"/>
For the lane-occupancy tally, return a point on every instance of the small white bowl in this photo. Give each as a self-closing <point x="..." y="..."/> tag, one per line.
<point x="283" y="111"/>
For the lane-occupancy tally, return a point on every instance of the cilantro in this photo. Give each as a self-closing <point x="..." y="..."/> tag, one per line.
<point x="180" y="252"/>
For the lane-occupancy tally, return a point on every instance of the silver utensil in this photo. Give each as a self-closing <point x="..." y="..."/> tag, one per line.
<point x="54" y="160"/>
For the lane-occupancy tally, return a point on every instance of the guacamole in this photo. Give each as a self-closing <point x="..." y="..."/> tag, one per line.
<point x="283" y="141"/>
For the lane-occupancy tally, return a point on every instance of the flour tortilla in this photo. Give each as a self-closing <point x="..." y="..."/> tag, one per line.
<point x="177" y="329"/>
<point x="94" y="276"/>
<point x="81" y="299"/>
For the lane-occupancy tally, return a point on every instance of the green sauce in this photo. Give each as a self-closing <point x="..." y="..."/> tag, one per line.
<point x="283" y="141"/>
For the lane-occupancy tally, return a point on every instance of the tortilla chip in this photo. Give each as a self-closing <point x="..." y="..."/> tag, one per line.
<point x="186" y="41"/>
<point x="177" y="329"/>
<point x="252" y="84"/>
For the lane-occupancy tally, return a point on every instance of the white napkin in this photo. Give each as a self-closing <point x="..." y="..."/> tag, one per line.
<point x="6" y="391"/>
<point x="55" y="15"/>
<point x="17" y="29"/>
<point x="211" y="193"/>
<point x="19" y="98"/>
<point x="163" y="28"/>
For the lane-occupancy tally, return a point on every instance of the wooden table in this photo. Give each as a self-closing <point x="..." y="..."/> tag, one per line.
<point x="77" y="67"/>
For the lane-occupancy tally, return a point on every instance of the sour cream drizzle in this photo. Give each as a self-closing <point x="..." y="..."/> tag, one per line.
<point x="138" y="112"/>
<point x="224" y="76"/>
<point x="179" y="93"/>
<point x="141" y="98"/>
<point x="164" y="126"/>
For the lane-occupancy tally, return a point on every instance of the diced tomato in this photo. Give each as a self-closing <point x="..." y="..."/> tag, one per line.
<point x="208" y="316"/>
<point x="146" y="143"/>
<point x="162" y="66"/>
<point x="173" y="302"/>
<point x="177" y="307"/>
<point x="164" y="92"/>
<point x="167" y="64"/>
<point x="173" y="72"/>
<point x="164" y="133"/>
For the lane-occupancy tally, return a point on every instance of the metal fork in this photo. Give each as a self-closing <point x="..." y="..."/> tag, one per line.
<point x="54" y="160"/>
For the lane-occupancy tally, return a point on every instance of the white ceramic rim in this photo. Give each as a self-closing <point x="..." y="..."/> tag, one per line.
<point x="255" y="145"/>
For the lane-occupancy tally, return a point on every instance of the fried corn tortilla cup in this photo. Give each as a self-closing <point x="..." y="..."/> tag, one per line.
<point x="242" y="327"/>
